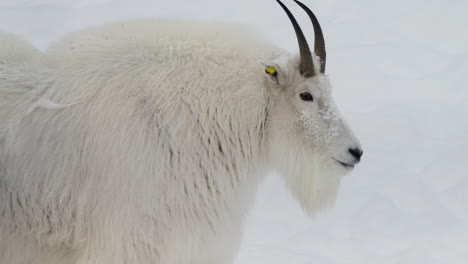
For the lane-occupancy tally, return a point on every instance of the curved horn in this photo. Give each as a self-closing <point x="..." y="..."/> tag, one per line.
<point x="307" y="64"/>
<point x="319" y="47"/>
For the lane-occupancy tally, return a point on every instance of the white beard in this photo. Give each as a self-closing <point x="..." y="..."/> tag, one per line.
<point x="312" y="179"/>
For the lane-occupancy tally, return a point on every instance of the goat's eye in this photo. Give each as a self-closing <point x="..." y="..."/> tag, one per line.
<point x="306" y="97"/>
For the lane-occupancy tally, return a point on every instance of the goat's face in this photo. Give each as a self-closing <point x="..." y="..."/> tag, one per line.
<point x="303" y="108"/>
<point x="310" y="143"/>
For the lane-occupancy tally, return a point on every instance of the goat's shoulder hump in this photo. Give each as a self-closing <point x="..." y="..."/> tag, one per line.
<point x="168" y="36"/>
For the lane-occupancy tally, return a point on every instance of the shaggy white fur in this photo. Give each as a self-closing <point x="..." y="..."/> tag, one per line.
<point x="143" y="142"/>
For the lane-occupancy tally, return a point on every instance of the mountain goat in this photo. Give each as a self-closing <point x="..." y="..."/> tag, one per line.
<point x="144" y="142"/>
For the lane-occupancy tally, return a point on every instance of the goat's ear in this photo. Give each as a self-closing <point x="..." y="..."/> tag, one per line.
<point x="271" y="70"/>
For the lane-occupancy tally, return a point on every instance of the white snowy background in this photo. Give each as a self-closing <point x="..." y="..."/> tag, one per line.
<point x="399" y="69"/>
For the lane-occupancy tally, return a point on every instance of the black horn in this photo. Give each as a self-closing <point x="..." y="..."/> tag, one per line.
<point x="319" y="47"/>
<point x="307" y="64"/>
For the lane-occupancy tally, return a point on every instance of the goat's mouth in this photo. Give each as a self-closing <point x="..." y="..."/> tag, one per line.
<point x="346" y="165"/>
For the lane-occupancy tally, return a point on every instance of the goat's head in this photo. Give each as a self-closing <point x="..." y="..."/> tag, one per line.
<point x="311" y="144"/>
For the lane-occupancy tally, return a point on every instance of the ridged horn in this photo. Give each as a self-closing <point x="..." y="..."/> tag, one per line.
<point x="307" y="64"/>
<point x="319" y="47"/>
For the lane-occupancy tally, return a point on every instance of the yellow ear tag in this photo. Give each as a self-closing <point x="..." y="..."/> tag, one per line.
<point x="270" y="70"/>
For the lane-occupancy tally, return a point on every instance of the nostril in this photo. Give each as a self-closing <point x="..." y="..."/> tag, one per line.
<point x="357" y="153"/>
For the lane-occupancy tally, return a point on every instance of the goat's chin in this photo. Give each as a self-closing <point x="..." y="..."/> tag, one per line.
<point x="313" y="181"/>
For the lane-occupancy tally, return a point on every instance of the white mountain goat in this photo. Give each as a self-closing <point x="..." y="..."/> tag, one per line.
<point x="144" y="142"/>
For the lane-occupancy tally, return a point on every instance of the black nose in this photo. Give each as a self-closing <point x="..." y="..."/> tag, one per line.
<point x="357" y="153"/>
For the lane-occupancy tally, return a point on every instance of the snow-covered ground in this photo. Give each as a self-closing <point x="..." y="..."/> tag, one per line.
<point x="399" y="69"/>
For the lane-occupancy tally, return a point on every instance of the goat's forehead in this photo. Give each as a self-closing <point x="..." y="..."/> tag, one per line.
<point x="318" y="84"/>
